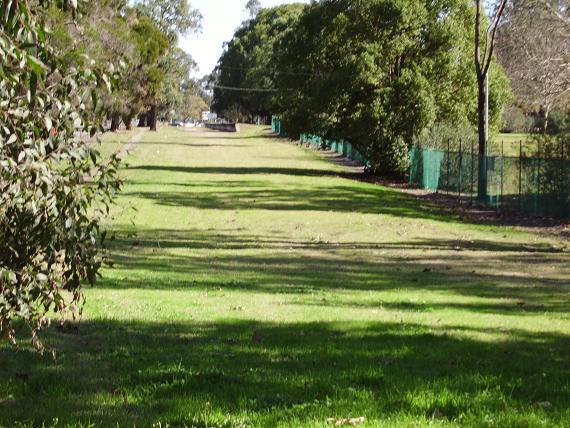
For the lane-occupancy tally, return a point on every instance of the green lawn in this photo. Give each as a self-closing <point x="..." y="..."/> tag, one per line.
<point x="511" y="144"/>
<point x="255" y="286"/>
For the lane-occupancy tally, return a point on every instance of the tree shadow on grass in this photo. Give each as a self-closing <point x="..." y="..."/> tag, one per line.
<point x="336" y="197"/>
<point x="185" y="374"/>
<point x="191" y="144"/>
<point x="231" y="170"/>
<point x="486" y="270"/>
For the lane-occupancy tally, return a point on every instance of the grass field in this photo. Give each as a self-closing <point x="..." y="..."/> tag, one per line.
<point x="511" y="145"/>
<point x="254" y="285"/>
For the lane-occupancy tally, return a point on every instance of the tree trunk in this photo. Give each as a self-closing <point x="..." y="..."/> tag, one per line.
<point x="482" y="175"/>
<point x="127" y="120"/>
<point x="142" y="120"/>
<point x="115" y="121"/>
<point x="153" y="117"/>
<point x="545" y="130"/>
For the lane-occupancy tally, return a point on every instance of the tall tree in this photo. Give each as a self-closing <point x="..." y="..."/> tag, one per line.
<point x="377" y="73"/>
<point x="175" y="18"/>
<point x="537" y="61"/>
<point x="484" y="47"/>
<point x="152" y="45"/>
<point x="246" y="74"/>
<point x="177" y="86"/>
<point x="253" y="7"/>
<point x="102" y="32"/>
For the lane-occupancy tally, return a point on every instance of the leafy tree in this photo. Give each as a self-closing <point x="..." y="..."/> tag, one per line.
<point x="177" y="85"/>
<point x="54" y="187"/>
<point x="174" y="18"/>
<point x="253" y="7"/>
<point x="102" y="34"/>
<point x="246" y="73"/>
<point x="152" y="44"/>
<point x="377" y="73"/>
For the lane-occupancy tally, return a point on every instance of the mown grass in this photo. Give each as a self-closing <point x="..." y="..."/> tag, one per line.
<point x="512" y="144"/>
<point x="255" y="285"/>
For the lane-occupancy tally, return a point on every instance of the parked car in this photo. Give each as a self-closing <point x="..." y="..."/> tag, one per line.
<point x="177" y="122"/>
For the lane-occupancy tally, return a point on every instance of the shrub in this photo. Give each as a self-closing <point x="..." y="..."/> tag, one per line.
<point x="54" y="187"/>
<point x="514" y="120"/>
<point x="558" y="122"/>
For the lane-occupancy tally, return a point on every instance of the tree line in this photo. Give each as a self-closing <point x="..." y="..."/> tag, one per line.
<point x="383" y="73"/>
<point x="141" y="40"/>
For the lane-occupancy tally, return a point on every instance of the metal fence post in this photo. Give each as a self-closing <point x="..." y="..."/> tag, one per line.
<point x="566" y="208"/>
<point x="472" y="174"/>
<point x="460" y="164"/>
<point x="448" y="166"/>
<point x="537" y="181"/>
<point x="502" y="171"/>
<point x="520" y="173"/>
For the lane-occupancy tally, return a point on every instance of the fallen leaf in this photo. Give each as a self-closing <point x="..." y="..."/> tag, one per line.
<point x="338" y="422"/>
<point x="437" y="414"/>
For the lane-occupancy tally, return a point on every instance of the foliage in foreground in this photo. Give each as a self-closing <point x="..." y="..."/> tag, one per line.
<point x="53" y="186"/>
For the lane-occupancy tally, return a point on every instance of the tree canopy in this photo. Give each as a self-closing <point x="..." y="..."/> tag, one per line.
<point x="248" y="61"/>
<point x="537" y="61"/>
<point x="373" y="72"/>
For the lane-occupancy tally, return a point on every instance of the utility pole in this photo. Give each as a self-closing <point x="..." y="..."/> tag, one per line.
<point x="487" y="115"/>
<point x="483" y="57"/>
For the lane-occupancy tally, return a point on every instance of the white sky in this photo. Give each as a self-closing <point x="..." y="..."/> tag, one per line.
<point x="221" y="19"/>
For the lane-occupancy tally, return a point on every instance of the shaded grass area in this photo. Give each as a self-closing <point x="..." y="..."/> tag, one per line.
<point x="255" y="285"/>
<point x="238" y="372"/>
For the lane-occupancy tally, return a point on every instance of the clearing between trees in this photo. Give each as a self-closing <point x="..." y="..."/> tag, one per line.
<point x="254" y="285"/>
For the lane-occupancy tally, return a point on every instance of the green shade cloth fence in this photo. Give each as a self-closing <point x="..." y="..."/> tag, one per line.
<point x="341" y="147"/>
<point x="532" y="185"/>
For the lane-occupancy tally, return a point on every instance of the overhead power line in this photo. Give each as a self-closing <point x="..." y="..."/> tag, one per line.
<point x="232" y="88"/>
<point x="291" y="73"/>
